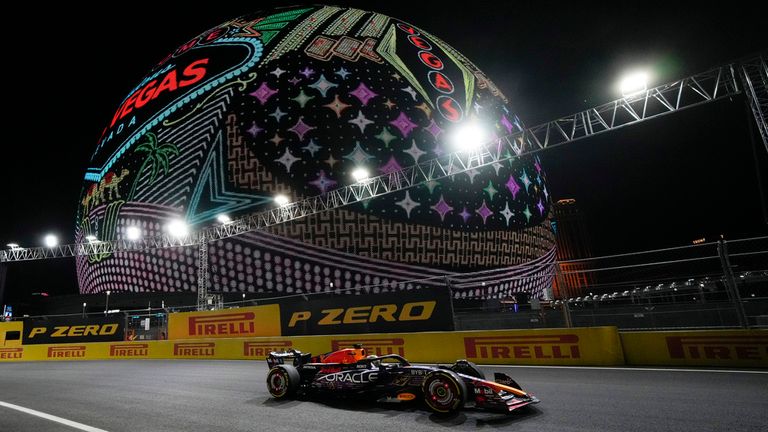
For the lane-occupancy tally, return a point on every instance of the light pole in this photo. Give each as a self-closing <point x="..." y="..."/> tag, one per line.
<point x="84" y="305"/>
<point x="106" y="304"/>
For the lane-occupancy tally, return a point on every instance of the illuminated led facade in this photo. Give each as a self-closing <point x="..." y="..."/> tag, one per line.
<point x="292" y="101"/>
<point x="572" y="244"/>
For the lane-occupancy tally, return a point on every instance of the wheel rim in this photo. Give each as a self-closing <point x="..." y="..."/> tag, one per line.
<point x="441" y="394"/>
<point x="278" y="383"/>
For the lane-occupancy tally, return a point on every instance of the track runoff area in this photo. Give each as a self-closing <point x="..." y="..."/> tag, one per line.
<point x="231" y="395"/>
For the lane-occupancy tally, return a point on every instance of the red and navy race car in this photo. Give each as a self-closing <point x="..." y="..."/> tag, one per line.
<point x="390" y="378"/>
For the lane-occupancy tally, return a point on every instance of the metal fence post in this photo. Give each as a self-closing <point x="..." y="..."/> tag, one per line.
<point x="563" y="289"/>
<point x="730" y="282"/>
<point x="450" y="296"/>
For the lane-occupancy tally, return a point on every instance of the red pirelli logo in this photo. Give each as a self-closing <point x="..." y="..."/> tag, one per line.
<point x="129" y="350"/>
<point x="374" y="346"/>
<point x="11" y="353"/>
<point x="229" y="324"/>
<point x="194" y="349"/>
<point x="718" y="347"/>
<point x="68" y="351"/>
<point x="562" y="346"/>
<point x="262" y="349"/>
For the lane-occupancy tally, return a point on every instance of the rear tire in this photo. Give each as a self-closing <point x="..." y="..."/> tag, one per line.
<point x="444" y="391"/>
<point x="283" y="381"/>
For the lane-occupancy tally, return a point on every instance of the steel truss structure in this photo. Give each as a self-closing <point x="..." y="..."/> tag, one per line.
<point x="702" y="88"/>
<point x="754" y="75"/>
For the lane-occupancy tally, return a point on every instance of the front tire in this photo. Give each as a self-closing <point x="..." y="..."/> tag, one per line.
<point x="283" y="381"/>
<point x="444" y="391"/>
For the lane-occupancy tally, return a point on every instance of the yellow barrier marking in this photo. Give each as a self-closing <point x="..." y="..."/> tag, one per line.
<point x="50" y="417"/>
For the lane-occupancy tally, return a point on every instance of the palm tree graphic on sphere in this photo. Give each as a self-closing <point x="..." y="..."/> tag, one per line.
<point x="157" y="159"/>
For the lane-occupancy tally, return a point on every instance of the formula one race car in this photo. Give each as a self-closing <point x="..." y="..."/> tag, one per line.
<point x="390" y="378"/>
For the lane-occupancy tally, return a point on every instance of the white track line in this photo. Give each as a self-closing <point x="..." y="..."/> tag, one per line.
<point x="628" y="368"/>
<point x="50" y="417"/>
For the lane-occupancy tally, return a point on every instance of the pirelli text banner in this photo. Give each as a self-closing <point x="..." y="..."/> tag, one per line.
<point x="226" y="323"/>
<point x="573" y="346"/>
<point x="404" y="311"/>
<point x="731" y="348"/>
<point x="57" y="330"/>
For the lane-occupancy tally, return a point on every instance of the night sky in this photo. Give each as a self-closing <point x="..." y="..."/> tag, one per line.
<point x="662" y="183"/>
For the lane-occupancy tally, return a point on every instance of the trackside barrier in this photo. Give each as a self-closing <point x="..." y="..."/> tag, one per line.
<point x="10" y="341"/>
<point x="586" y="346"/>
<point x="729" y="348"/>
<point x="227" y="323"/>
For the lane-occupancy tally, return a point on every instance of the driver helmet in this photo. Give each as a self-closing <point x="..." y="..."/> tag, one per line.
<point x="376" y="363"/>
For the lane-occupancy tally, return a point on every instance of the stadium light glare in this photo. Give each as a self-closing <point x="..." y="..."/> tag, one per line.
<point x="223" y="219"/>
<point x="51" y="241"/>
<point x="177" y="228"/>
<point x="282" y="200"/>
<point x="133" y="233"/>
<point x="360" y="175"/>
<point x="634" y="83"/>
<point x="92" y="239"/>
<point x="469" y="137"/>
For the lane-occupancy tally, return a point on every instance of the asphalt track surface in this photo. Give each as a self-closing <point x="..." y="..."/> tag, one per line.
<point x="149" y="395"/>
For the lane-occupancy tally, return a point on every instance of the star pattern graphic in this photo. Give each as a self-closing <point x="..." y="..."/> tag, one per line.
<point x="323" y="182"/>
<point x="507" y="124"/>
<point x="331" y="161"/>
<point x="526" y="181"/>
<point x="277" y="139"/>
<point x="472" y="174"/>
<point x="484" y="212"/>
<point x="442" y="208"/>
<point x="302" y="98"/>
<point x="301" y="128"/>
<point x="410" y="91"/>
<point x="507" y="213"/>
<point x="434" y="129"/>
<point x="381" y="122"/>
<point x="360" y="121"/>
<point x="497" y="166"/>
<point x="278" y="114"/>
<point x="307" y="72"/>
<point x="277" y="72"/>
<point x="287" y="159"/>
<point x="431" y="185"/>
<point x="490" y="190"/>
<point x="407" y="204"/>
<point x="465" y="215"/>
<point x="414" y="151"/>
<point x="342" y="73"/>
<point x="263" y="93"/>
<point x="322" y="85"/>
<point x="337" y="106"/>
<point x="363" y="93"/>
<point x="312" y="148"/>
<point x="358" y="155"/>
<point x="403" y="124"/>
<point x="254" y="129"/>
<point x="385" y="136"/>
<point x="390" y="166"/>
<point x="424" y="108"/>
<point x="513" y="187"/>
